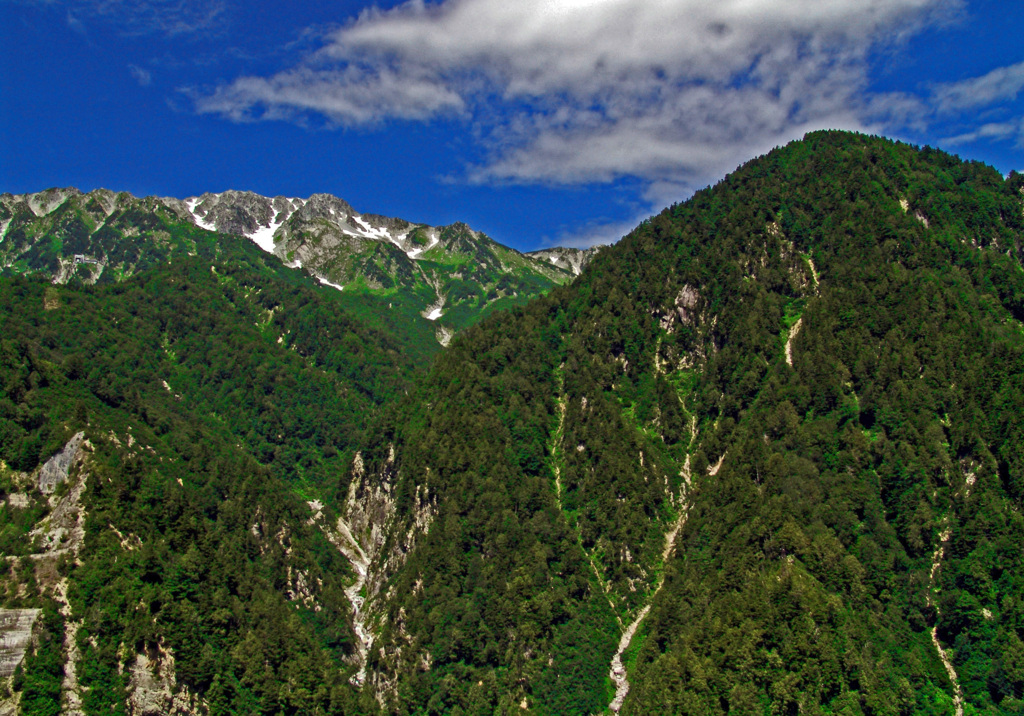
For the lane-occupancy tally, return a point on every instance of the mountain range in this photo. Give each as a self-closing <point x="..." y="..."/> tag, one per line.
<point x="433" y="281"/>
<point x="761" y="456"/>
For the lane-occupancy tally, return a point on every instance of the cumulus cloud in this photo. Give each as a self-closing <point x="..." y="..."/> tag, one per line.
<point x="585" y="90"/>
<point x="585" y="47"/>
<point x="577" y="91"/>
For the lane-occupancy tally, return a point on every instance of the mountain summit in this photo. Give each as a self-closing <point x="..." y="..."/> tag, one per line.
<point x="762" y="456"/>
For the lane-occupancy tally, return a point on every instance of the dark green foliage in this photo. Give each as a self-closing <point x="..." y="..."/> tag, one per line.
<point x="279" y="366"/>
<point x="812" y="369"/>
<point x="801" y="580"/>
<point x="212" y="397"/>
<point x="42" y="671"/>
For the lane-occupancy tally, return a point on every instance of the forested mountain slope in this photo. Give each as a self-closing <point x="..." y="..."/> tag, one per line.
<point x="774" y="434"/>
<point x="168" y="445"/>
<point x="762" y="457"/>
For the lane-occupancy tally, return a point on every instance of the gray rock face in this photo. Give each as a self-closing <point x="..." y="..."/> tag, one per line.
<point x="573" y="260"/>
<point x="686" y="303"/>
<point x="321" y="206"/>
<point x="153" y="688"/>
<point x="55" y="471"/>
<point x="235" y="212"/>
<point x="390" y="224"/>
<point x="15" y="633"/>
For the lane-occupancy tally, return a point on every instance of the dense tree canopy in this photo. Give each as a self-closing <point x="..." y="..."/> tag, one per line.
<point x="785" y="417"/>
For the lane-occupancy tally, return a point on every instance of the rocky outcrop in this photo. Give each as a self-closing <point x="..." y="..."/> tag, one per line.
<point x="686" y="303"/>
<point x="793" y="331"/>
<point x="63" y="530"/>
<point x="153" y="689"/>
<point x="15" y="635"/>
<point x="239" y="212"/>
<point x="569" y="259"/>
<point x="55" y="471"/>
<point x="60" y="534"/>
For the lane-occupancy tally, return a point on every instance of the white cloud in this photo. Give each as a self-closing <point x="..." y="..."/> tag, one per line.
<point x="992" y="130"/>
<point x="349" y="95"/>
<point x="576" y="91"/>
<point x="1000" y="84"/>
<point x="174" y="18"/>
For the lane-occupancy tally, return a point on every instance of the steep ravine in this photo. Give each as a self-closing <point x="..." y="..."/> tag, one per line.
<point x="618" y="672"/>
<point x="341" y="537"/>
<point x="557" y="451"/>
<point x="947" y="662"/>
<point x="375" y="540"/>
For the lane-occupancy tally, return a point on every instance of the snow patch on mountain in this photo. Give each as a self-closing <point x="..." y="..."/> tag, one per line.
<point x="325" y="282"/>
<point x="371" y="232"/>
<point x="264" y="237"/>
<point x="190" y="204"/>
<point x="435" y="239"/>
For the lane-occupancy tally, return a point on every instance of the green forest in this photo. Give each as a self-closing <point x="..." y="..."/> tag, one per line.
<point x="775" y="434"/>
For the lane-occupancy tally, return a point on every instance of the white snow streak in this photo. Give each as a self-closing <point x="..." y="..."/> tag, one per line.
<point x="435" y="239"/>
<point x="264" y="236"/>
<point x="191" y="204"/>
<point x="371" y="232"/>
<point x="325" y="282"/>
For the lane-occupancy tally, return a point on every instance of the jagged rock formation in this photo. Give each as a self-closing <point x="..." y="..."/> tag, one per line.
<point x="569" y="259"/>
<point x="153" y="689"/>
<point x="446" y="267"/>
<point x="448" y="274"/>
<point x="55" y="471"/>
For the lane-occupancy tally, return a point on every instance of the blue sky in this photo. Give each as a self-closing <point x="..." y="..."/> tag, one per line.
<point x="540" y="122"/>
